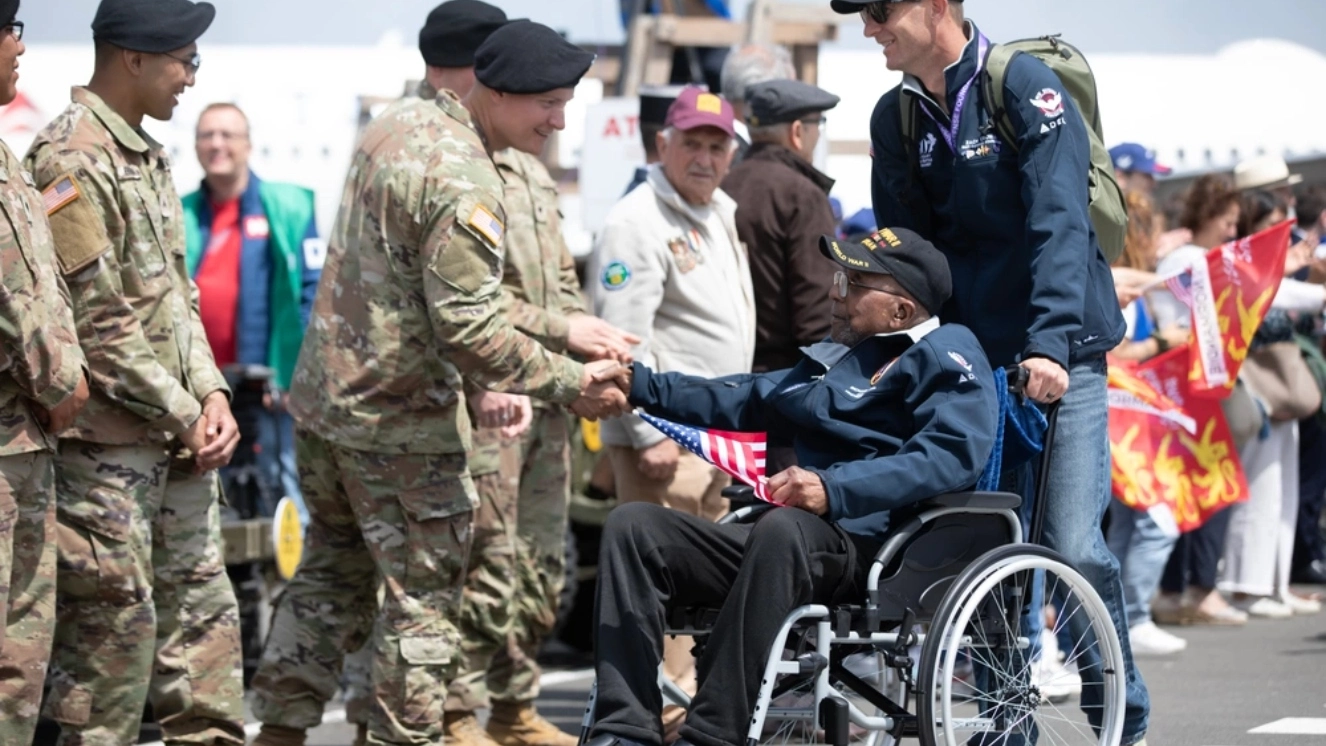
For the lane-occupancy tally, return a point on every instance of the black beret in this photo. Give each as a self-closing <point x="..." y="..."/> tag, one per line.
<point x="779" y="101"/>
<point x="454" y="31"/>
<point x="920" y="268"/>
<point x="154" y="26"/>
<point x="8" y="12"/>
<point x="528" y="57"/>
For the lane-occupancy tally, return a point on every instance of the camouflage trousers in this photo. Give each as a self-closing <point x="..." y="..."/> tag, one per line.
<point x="27" y="587"/>
<point x="145" y="609"/>
<point x="403" y="520"/>
<point x="516" y="567"/>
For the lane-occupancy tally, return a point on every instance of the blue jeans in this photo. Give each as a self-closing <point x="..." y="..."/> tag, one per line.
<point x="1078" y="493"/>
<point x="1142" y="549"/>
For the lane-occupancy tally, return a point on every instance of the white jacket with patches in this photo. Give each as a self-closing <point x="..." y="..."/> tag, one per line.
<point x="677" y="276"/>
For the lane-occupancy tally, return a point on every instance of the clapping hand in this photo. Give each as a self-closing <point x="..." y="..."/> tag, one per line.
<point x="595" y="339"/>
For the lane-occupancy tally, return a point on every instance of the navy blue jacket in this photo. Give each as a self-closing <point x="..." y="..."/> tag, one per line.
<point x="1029" y="278"/>
<point x="885" y="423"/>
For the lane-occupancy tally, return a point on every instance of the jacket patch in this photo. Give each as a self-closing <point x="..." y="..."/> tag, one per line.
<point x="927" y="149"/>
<point x="315" y="253"/>
<point x="1050" y="102"/>
<point x="960" y="360"/>
<point x="486" y="223"/>
<point x="685" y="251"/>
<point x="880" y="373"/>
<point x="616" y="276"/>
<point x="59" y="194"/>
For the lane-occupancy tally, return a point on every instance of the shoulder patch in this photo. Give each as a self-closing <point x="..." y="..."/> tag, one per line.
<point x="80" y="236"/>
<point x="616" y="276"/>
<point x="486" y="223"/>
<point x="960" y="360"/>
<point x="59" y="194"/>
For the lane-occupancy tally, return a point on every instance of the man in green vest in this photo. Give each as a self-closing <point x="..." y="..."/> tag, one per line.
<point x="254" y="252"/>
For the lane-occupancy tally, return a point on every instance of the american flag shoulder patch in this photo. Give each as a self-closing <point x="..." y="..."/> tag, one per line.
<point x="486" y="223"/>
<point x="63" y="191"/>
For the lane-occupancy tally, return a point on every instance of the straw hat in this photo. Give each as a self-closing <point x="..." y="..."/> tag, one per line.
<point x="1264" y="172"/>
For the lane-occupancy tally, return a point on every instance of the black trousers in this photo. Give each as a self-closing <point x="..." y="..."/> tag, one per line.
<point x="1308" y="543"/>
<point x="1195" y="558"/>
<point x="653" y="560"/>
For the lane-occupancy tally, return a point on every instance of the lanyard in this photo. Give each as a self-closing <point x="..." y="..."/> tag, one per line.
<point x="950" y="132"/>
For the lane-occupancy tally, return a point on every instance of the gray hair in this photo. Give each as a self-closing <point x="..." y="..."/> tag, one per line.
<point x="749" y="64"/>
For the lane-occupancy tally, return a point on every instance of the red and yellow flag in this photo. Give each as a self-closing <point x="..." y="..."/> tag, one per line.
<point x="1244" y="276"/>
<point x="1168" y="447"/>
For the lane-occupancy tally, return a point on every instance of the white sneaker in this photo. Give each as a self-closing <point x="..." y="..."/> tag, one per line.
<point x="1264" y="607"/>
<point x="1055" y="681"/>
<point x="1299" y="604"/>
<point x="1149" y="640"/>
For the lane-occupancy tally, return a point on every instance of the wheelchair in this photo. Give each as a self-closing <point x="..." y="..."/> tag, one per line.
<point x="942" y="647"/>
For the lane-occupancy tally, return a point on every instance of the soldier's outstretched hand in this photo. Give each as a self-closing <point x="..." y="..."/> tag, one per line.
<point x="595" y="339"/>
<point x="603" y="390"/>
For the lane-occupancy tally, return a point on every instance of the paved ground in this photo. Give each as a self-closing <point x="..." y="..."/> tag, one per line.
<point x="1263" y="685"/>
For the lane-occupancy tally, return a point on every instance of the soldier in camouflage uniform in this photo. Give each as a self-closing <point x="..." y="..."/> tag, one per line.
<point x="42" y="388"/>
<point x="409" y="308"/>
<point x="144" y="607"/>
<point x="516" y="564"/>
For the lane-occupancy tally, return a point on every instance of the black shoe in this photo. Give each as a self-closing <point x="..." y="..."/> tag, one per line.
<point x="1312" y="574"/>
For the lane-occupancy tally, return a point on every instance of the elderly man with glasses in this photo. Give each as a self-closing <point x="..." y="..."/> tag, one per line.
<point x="893" y="409"/>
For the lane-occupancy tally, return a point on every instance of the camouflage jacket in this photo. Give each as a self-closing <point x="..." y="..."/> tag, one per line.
<point x="539" y="274"/>
<point x="119" y="240"/>
<point x="39" y="353"/>
<point x="410" y="298"/>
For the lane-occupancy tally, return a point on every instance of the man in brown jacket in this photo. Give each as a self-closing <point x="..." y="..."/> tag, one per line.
<point x="782" y="210"/>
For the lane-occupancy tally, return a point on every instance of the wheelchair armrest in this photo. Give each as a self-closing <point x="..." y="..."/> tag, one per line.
<point x="741" y="496"/>
<point x="746" y="513"/>
<point x="972" y="501"/>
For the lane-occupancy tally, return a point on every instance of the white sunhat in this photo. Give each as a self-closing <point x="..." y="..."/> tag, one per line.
<point x="1264" y="172"/>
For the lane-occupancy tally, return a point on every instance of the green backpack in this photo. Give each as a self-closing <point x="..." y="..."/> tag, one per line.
<point x="1109" y="215"/>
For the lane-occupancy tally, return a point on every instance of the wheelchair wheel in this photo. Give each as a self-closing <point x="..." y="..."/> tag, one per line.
<point x="1004" y="697"/>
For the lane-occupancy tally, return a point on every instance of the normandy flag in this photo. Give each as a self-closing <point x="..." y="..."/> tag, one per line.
<point x="740" y="455"/>
<point x="1228" y="301"/>
<point x="1170" y="451"/>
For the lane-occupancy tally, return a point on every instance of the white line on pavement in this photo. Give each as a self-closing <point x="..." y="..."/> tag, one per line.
<point x="336" y="713"/>
<point x="1293" y="727"/>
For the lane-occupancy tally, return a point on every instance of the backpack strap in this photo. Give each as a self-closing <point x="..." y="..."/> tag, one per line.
<point x="997" y="59"/>
<point x="910" y="112"/>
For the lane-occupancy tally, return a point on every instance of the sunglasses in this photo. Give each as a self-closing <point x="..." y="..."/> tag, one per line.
<point x="879" y="11"/>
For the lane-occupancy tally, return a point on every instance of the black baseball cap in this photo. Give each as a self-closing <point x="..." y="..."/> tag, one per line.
<point x="915" y="263"/>
<point x="848" y="7"/>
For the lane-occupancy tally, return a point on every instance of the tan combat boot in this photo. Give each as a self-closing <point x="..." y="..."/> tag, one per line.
<point x="463" y="729"/>
<point x="519" y="724"/>
<point x="279" y="735"/>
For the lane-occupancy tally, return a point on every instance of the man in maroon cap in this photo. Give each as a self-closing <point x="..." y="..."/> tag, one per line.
<point x="670" y="269"/>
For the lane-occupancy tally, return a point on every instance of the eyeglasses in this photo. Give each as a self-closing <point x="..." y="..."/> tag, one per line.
<point x="16" y="28"/>
<point x="191" y="63"/>
<point x="841" y="284"/>
<point x="225" y="136"/>
<point x="879" y="11"/>
<point x="821" y="119"/>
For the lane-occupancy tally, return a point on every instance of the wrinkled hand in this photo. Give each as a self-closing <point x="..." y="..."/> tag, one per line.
<point x="603" y="388"/>
<point x="595" y="339"/>
<point x="1047" y="381"/>
<point x="511" y="413"/>
<point x="795" y="487"/>
<point x="221" y="434"/>
<point x="659" y="461"/>
<point x="62" y="415"/>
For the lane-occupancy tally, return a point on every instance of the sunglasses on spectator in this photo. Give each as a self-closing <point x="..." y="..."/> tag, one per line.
<point x="879" y="11"/>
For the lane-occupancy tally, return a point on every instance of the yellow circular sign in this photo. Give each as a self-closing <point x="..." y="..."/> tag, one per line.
<point x="287" y="537"/>
<point x="589" y="432"/>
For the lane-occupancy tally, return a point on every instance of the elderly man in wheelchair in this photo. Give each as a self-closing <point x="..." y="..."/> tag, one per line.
<point x="809" y="618"/>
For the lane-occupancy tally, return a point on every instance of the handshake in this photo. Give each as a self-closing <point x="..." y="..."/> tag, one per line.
<point x="603" y="390"/>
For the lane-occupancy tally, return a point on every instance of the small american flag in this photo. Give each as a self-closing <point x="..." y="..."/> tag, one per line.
<point x="738" y="454"/>
<point x="59" y="194"/>
<point x="1181" y="286"/>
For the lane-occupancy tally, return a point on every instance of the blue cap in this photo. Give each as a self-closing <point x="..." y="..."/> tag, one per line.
<point x="1133" y="158"/>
